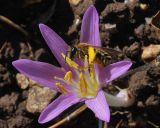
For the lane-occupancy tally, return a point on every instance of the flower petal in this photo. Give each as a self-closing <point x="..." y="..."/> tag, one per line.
<point x="113" y="71"/>
<point x="39" y="71"/>
<point x="90" y="27"/>
<point x="99" y="106"/>
<point x="57" y="107"/>
<point x="55" y="43"/>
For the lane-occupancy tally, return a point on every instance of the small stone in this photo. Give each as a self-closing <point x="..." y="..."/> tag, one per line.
<point x="39" y="98"/>
<point x="148" y="20"/>
<point x="22" y="81"/>
<point x="143" y="6"/>
<point x="74" y="2"/>
<point x="150" y="52"/>
<point x="110" y="26"/>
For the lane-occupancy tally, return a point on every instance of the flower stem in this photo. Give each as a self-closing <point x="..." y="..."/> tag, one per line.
<point x="100" y="123"/>
<point x="72" y="115"/>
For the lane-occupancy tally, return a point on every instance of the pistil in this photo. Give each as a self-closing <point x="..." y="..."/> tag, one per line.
<point x="82" y="84"/>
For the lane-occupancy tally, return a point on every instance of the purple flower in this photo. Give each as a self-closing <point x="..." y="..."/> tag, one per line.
<point x="75" y="82"/>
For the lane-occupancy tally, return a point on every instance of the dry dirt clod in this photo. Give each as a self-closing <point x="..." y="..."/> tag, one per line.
<point x="115" y="8"/>
<point x="81" y="6"/>
<point x="39" y="98"/>
<point x="25" y="51"/>
<point x="150" y="52"/>
<point x="133" y="51"/>
<point x="8" y="104"/>
<point x="3" y="124"/>
<point x="22" y="81"/>
<point x="153" y="101"/>
<point x="18" y="122"/>
<point x="6" y="52"/>
<point x="4" y="76"/>
<point x="138" y="81"/>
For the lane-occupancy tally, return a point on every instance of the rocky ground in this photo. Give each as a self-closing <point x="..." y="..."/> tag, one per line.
<point x="126" y="26"/>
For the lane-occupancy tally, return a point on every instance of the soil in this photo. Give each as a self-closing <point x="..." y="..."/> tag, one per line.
<point x="124" y="26"/>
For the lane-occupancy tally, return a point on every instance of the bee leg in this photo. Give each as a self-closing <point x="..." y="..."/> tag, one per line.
<point x="80" y="53"/>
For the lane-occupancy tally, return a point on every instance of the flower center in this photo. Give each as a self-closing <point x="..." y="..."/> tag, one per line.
<point x="81" y="79"/>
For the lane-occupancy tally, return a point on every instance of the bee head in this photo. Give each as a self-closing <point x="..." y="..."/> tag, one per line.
<point x="73" y="52"/>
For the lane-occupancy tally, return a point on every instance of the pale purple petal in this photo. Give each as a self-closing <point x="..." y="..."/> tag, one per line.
<point x="39" y="71"/>
<point x="57" y="107"/>
<point x="122" y="99"/>
<point x="99" y="106"/>
<point x="90" y="27"/>
<point x="55" y="43"/>
<point x="113" y="71"/>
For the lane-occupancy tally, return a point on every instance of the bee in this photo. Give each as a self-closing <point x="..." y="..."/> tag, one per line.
<point x="103" y="57"/>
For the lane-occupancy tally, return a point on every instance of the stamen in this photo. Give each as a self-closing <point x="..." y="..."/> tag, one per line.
<point x="92" y="71"/>
<point x="91" y="54"/>
<point x="61" y="88"/>
<point x="58" y="78"/>
<point x="85" y="62"/>
<point x="68" y="77"/>
<point x="82" y="84"/>
<point x="70" y="62"/>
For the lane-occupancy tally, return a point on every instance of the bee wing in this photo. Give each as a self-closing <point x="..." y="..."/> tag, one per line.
<point x="83" y="45"/>
<point x="115" y="55"/>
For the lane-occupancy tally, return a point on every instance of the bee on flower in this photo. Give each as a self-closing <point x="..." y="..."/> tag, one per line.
<point x="79" y="80"/>
<point x="103" y="56"/>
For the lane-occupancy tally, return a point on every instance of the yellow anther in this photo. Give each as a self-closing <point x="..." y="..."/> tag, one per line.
<point x="85" y="61"/>
<point x="61" y="88"/>
<point x="92" y="72"/>
<point x="68" y="77"/>
<point x="91" y="54"/>
<point x="82" y="84"/>
<point x="70" y="62"/>
<point x="89" y="67"/>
